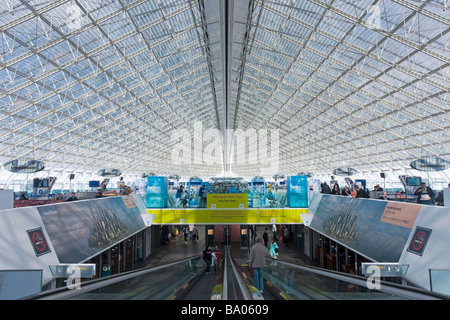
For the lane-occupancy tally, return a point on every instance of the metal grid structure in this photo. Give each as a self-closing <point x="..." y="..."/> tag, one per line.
<point x="161" y="86"/>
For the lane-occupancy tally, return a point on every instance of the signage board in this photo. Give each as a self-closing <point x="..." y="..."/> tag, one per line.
<point x="227" y="200"/>
<point x="386" y="269"/>
<point x="228" y="216"/>
<point x="64" y="270"/>
<point x="38" y="241"/>
<point x="419" y="240"/>
<point x="430" y="164"/>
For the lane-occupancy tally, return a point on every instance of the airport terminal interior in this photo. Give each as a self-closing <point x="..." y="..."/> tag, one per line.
<point x="136" y="134"/>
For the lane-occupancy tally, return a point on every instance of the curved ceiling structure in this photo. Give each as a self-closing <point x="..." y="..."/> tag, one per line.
<point x="210" y="88"/>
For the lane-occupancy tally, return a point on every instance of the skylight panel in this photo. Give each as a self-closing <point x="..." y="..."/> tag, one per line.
<point x="308" y="12"/>
<point x="364" y="38"/>
<point x="117" y="26"/>
<point x="335" y="25"/>
<point x="93" y="41"/>
<point x="12" y="10"/>
<point x="345" y="55"/>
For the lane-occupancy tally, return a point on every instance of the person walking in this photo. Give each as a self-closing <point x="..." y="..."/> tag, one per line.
<point x="194" y="235"/>
<point x="252" y="232"/>
<point x="184" y="199"/>
<point x="190" y="231"/>
<point x="185" y="234"/>
<point x="257" y="261"/>
<point x="274" y="249"/>
<point x="201" y="197"/>
<point x="218" y="253"/>
<point x="207" y="257"/>
<point x="286" y="236"/>
<point x="178" y="196"/>
<point x="274" y="232"/>
<point x="265" y="237"/>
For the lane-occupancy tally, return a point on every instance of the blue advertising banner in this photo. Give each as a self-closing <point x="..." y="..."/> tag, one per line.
<point x="157" y="194"/>
<point x="297" y="191"/>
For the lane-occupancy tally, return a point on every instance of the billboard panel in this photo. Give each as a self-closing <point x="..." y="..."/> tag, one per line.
<point x="374" y="228"/>
<point x="81" y="229"/>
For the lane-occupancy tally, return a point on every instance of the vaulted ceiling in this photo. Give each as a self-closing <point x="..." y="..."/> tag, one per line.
<point x="175" y="87"/>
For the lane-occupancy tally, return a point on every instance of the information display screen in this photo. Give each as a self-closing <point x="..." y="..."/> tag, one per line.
<point x="413" y="181"/>
<point x="94" y="184"/>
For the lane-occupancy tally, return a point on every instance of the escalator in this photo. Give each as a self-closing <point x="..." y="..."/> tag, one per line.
<point x="186" y="280"/>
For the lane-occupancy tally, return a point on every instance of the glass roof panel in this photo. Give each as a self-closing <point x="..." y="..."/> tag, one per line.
<point x="74" y="75"/>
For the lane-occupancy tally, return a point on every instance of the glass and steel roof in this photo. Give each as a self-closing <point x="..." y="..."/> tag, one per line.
<point x="174" y="87"/>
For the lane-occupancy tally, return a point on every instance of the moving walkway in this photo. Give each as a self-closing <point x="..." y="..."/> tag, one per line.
<point x="186" y="280"/>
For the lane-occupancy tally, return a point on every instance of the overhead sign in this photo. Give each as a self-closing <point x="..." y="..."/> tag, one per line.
<point x="227" y="200"/>
<point x="228" y="216"/>
<point x="430" y="164"/>
<point x="86" y="270"/>
<point x="24" y="165"/>
<point x="308" y="174"/>
<point x="419" y="240"/>
<point x="344" y="171"/>
<point x="109" y="172"/>
<point x="386" y="269"/>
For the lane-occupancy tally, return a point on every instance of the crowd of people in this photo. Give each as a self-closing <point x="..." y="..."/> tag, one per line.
<point x="356" y="192"/>
<point x="182" y="195"/>
<point x="212" y="258"/>
<point x="423" y="194"/>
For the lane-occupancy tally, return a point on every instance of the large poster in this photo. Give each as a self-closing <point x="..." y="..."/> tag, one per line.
<point x="82" y="229"/>
<point x="374" y="228"/>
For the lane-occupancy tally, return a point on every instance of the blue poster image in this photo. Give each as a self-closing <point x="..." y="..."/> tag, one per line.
<point x="297" y="191"/>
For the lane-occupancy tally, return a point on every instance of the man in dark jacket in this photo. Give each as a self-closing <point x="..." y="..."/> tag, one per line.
<point x="425" y="195"/>
<point x="207" y="257"/>
<point x="201" y="197"/>
<point x="326" y="188"/>
<point x="73" y="197"/>
<point x="265" y="237"/>
<point x="178" y="195"/>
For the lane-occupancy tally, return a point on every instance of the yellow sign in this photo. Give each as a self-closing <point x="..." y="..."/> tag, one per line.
<point x="228" y="216"/>
<point x="227" y="200"/>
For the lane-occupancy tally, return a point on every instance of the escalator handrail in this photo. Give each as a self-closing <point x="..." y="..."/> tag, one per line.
<point x="386" y="287"/>
<point x="243" y="285"/>
<point x="89" y="285"/>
